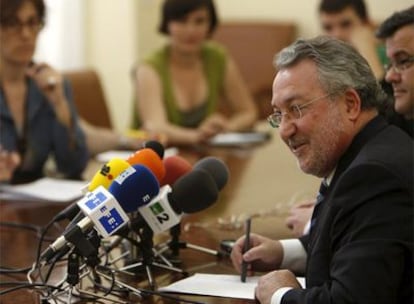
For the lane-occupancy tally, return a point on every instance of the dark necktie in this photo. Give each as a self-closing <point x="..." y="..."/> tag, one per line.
<point x="319" y="198"/>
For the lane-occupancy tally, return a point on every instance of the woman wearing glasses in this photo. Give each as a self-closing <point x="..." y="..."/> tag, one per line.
<point x="37" y="115"/>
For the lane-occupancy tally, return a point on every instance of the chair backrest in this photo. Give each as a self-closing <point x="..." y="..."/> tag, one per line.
<point x="253" y="46"/>
<point x="89" y="96"/>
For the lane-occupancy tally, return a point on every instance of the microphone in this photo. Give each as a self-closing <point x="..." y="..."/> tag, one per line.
<point x="150" y="159"/>
<point x="155" y="146"/>
<point x="175" y="167"/>
<point x="103" y="177"/>
<point x="106" y="210"/>
<point x="216" y="168"/>
<point x="165" y="210"/>
<point x="109" y="171"/>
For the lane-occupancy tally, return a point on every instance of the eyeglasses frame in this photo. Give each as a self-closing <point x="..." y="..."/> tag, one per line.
<point x="399" y="67"/>
<point x="272" y="117"/>
<point x="17" y="26"/>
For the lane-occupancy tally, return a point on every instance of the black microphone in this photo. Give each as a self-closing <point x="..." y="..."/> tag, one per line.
<point x="155" y="146"/>
<point x="192" y="192"/>
<point x="216" y="168"/>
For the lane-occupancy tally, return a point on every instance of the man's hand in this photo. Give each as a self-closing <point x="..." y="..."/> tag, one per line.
<point x="269" y="283"/>
<point x="264" y="255"/>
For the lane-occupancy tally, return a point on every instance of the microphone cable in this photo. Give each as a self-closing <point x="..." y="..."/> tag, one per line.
<point x="32" y="228"/>
<point x="20" y="285"/>
<point x="140" y="291"/>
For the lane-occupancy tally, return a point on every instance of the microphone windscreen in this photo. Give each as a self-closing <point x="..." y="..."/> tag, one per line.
<point x="150" y="159"/>
<point x="175" y="167"/>
<point x="156" y="146"/>
<point x="216" y="168"/>
<point x="108" y="172"/>
<point x="193" y="192"/>
<point x="134" y="187"/>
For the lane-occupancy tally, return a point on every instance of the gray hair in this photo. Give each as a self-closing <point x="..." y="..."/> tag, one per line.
<point x="340" y="67"/>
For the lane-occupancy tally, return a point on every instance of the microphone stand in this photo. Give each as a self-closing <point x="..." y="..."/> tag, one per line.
<point x="147" y="254"/>
<point x="175" y="244"/>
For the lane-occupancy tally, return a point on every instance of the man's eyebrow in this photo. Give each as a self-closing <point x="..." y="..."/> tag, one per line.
<point x="401" y="53"/>
<point x="288" y="101"/>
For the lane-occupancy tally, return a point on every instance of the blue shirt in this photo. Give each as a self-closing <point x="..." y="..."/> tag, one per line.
<point x="43" y="136"/>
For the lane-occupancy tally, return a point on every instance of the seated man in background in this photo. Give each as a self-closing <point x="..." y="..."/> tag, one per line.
<point x="181" y="87"/>
<point x="359" y="250"/>
<point x="37" y="116"/>
<point x="398" y="33"/>
<point x="348" y="20"/>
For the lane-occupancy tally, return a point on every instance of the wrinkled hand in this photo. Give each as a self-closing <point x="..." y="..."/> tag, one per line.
<point x="299" y="216"/>
<point x="265" y="254"/>
<point x="269" y="283"/>
<point x="9" y="161"/>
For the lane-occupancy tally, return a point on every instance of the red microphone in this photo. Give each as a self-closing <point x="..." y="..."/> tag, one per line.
<point x="175" y="167"/>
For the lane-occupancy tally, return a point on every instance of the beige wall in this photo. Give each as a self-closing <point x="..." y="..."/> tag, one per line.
<point x="119" y="32"/>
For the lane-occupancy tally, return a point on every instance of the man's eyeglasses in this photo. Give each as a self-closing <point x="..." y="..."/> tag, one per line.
<point x="16" y="26"/>
<point x="400" y="65"/>
<point x="294" y="111"/>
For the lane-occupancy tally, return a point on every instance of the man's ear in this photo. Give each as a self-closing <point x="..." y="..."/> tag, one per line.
<point x="352" y="104"/>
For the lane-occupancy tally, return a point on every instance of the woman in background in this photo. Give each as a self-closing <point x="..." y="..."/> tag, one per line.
<point x="182" y="87"/>
<point x="37" y="115"/>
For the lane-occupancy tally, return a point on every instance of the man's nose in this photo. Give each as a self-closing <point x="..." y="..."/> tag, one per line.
<point x="392" y="76"/>
<point x="287" y="128"/>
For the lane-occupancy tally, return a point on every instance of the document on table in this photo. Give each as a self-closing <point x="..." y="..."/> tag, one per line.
<point x="239" y="139"/>
<point x="218" y="285"/>
<point x="124" y="154"/>
<point x="45" y="189"/>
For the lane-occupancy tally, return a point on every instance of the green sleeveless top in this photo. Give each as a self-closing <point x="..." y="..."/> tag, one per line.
<point x="214" y="61"/>
<point x="382" y="55"/>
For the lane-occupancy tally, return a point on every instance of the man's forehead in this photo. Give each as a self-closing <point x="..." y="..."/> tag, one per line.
<point x="347" y="13"/>
<point x="401" y="42"/>
<point x="302" y="73"/>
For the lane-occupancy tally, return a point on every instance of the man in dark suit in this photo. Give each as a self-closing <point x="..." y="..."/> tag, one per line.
<point x="398" y="33"/>
<point x="326" y="104"/>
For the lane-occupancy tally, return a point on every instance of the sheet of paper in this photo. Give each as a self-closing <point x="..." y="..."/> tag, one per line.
<point x="47" y="189"/>
<point x="218" y="285"/>
<point x="228" y="286"/>
<point x="239" y="139"/>
<point x="124" y="154"/>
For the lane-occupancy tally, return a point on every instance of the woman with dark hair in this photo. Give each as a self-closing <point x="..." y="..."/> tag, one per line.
<point x="37" y="116"/>
<point x="182" y="86"/>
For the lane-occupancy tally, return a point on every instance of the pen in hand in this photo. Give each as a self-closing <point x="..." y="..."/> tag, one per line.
<point x="245" y="248"/>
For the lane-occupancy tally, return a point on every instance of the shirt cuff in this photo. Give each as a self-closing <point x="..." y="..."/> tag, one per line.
<point x="294" y="256"/>
<point x="278" y="295"/>
<point x="306" y="229"/>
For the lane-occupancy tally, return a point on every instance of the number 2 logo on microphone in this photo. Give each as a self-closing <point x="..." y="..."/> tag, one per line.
<point x="159" y="213"/>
